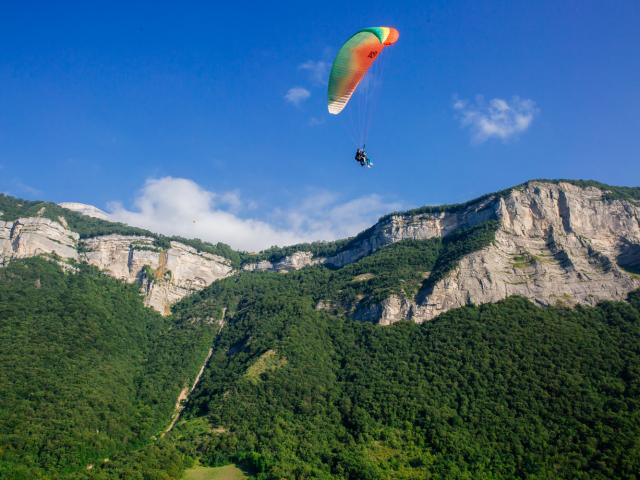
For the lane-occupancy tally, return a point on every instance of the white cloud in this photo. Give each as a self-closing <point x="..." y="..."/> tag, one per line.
<point x="297" y="95"/>
<point x="497" y="118"/>
<point x="323" y="216"/>
<point x="318" y="71"/>
<point x="316" y="121"/>
<point x="179" y="206"/>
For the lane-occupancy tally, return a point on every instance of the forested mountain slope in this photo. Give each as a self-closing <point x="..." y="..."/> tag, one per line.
<point x="522" y="371"/>
<point x="86" y="371"/>
<point x="509" y="390"/>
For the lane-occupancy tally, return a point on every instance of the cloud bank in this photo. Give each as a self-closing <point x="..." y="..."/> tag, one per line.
<point x="497" y="118"/>
<point x="297" y="95"/>
<point x="179" y="206"/>
<point x="318" y="71"/>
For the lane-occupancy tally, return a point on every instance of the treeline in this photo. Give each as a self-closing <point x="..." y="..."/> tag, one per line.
<point x="611" y="192"/>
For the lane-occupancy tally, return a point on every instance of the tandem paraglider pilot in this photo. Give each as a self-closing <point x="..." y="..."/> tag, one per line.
<point x="362" y="158"/>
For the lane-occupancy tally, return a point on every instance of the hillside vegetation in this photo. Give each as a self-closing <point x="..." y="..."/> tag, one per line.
<point x="86" y="371"/>
<point x="509" y="390"/>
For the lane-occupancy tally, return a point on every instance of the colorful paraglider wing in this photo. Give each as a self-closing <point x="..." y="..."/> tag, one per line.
<point x="352" y="62"/>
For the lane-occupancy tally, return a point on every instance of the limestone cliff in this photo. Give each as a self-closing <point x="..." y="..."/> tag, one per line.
<point x="414" y="226"/>
<point x="295" y="261"/>
<point x="164" y="275"/>
<point x="390" y="229"/>
<point x="556" y="243"/>
<point x="27" y="237"/>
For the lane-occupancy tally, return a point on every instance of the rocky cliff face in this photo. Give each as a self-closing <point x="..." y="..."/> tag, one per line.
<point x="164" y="275"/>
<point x="84" y="209"/>
<point x="420" y="226"/>
<point x="391" y="229"/>
<point x="27" y="237"/>
<point x="556" y="243"/>
<point x="295" y="261"/>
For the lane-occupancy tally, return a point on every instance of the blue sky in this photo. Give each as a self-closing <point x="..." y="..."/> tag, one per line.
<point x="109" y="102"/>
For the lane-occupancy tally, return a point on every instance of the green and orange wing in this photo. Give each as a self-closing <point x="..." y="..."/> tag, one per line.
<point x="353" y="61"/>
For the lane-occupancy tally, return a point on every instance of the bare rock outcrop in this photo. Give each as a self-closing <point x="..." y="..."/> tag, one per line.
<point x="392" y="309"/>
<point x="295" y="261"/>
<point x="165" y="276"/>
<point x="28" y="237"/>
<point x="556" y="244"/>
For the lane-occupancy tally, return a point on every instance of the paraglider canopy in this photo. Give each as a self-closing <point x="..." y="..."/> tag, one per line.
<point x="353" y="61"/>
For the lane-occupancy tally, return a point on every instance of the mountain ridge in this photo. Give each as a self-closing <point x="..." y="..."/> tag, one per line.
<point x="534" y="231"/>
<point x="436" y="345"/>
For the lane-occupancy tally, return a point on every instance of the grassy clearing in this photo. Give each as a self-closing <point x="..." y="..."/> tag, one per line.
<point x="363" y="277"/>
<point x="228" y="472"/>
<point x="269" y="361"/>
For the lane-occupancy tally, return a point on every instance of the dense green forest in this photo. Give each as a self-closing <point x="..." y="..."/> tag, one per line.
<point x="87" y="373"/>
<point x="509" y="390"/>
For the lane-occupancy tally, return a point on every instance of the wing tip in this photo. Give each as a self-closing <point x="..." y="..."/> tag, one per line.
<point x="392" y="36"/>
